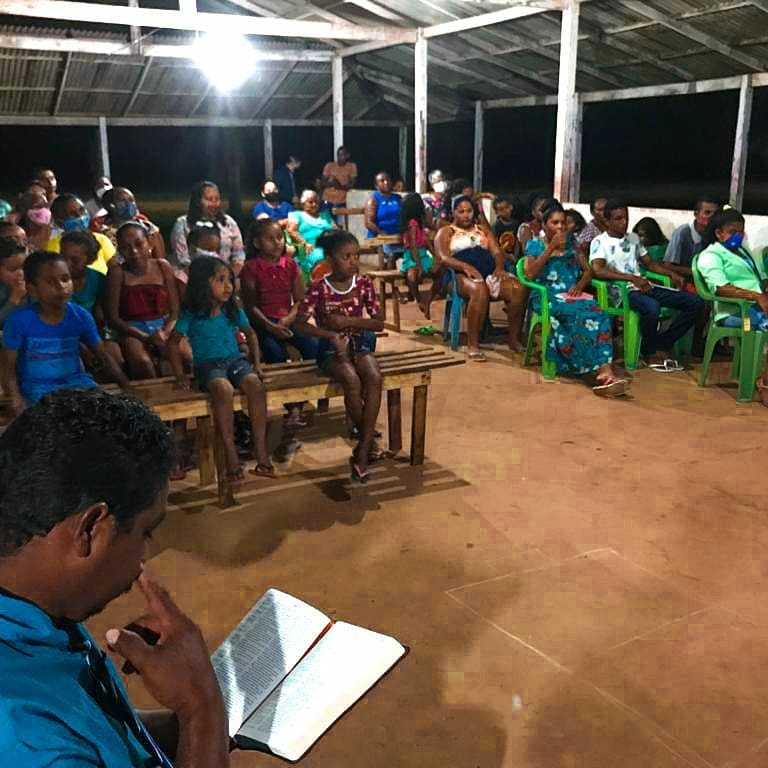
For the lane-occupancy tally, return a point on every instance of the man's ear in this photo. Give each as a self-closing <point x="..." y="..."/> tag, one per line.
<point x="89" y="526"/>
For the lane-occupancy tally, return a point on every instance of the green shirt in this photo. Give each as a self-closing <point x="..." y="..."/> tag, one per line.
<point x="720" y="266"/>
<point x="211" y="338"/>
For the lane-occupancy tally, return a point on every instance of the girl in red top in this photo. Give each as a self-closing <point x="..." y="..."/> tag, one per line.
<point x="142" y="302"/>
<point x="338" y="303"/>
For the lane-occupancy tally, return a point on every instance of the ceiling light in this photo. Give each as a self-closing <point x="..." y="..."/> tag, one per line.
<point x="226" y="58"/>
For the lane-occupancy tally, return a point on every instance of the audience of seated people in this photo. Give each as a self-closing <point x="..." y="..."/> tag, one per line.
<point x="133" y="300"/>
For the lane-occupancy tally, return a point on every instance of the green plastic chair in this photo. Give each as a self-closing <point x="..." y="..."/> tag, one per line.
<point x="548" y="368"/>
<point x="631" y="319"/>
<point x="747" y="357"/>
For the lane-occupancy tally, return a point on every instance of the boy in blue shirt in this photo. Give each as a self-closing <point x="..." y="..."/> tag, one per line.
<point x="42" y="340"/>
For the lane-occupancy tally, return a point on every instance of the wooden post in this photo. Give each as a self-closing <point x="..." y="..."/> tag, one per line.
<point x="394" y="420"/>
<point x="269" y="155"/>
<point x="205" y="454"/>
<point x="337" y="78"/>
<point x="104" y="147"/>
<point x="479" y="128"/>
<point x="135" y="33"/>
<point x="402" y="153"/>
<point x="741" y="143"/>
<point x="574" y="193"/>
<point x="566" y="99"/>
<point x="419" y="425"/>
<point x="420" y="113"/>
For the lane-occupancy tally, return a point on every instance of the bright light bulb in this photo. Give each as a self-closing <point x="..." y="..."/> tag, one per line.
<point x="226" y="58"/>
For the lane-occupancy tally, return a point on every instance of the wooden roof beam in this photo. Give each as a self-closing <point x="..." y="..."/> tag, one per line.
<point x="62" y="83"/>
<point x="139" y="83"/>
<point x="71" y="10"/>
<point x="644" y="10"/>
<point x="489" y="19"/>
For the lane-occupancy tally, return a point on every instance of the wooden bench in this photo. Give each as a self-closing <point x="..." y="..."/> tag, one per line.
<point x="346" y="213"/>
<point x="382" y="278"/>
<point x="297" y="382"/>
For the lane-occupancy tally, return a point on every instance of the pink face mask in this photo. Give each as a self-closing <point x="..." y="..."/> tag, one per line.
<point x="40" y="216"/>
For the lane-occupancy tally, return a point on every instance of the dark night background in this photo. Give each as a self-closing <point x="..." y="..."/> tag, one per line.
<point x="649" y="151"/>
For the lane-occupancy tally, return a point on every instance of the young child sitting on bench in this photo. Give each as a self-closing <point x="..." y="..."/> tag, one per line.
<point x="348" y="339"/>
<point x="210" y="318"/>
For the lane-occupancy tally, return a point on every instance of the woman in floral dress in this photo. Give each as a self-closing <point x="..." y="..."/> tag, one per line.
<point x="581" y="340"/>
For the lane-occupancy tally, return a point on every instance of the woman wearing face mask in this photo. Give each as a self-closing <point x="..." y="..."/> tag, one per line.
<point x="34" y="217"/>
<point x="270" y="206"/>
<point x="205" y="205"/>
<point x="120" y="206"/>
<point x="433" y="202"/>
<point x="69" y="215"/>
<point x="94" y="204"/>
<point x="731" y="271"/>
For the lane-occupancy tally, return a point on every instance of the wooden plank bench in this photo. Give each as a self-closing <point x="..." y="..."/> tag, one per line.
<point x="297" y="382"/>
<point x="383" y="278"/>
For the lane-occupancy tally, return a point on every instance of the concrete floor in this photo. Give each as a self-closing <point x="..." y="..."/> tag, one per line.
<point x="581" y="581"/>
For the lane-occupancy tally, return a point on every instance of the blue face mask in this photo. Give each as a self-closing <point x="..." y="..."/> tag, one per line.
<point x="126" y="209"/>
<point x="77" y="223"/>
<point x="733" y="243"/>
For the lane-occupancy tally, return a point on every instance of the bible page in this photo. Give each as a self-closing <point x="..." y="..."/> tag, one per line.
<point x="262" y="649"/>
<point x="346" y="662"/>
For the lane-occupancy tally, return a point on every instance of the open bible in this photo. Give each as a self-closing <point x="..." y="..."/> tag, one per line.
<point x="287" y="673"/>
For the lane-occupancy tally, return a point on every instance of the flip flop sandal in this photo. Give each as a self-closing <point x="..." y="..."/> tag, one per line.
<point x="263" y="470"/>
<point x="614" y="389"/>
<point x="377" y="454"/>
<point x="426" y="330"/>
<point x="477" y="357"/>
<point x="357" y="476"/>
<point x="668" y="366"/>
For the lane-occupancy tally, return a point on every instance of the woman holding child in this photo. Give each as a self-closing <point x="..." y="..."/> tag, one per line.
<point x="581" y="340"/>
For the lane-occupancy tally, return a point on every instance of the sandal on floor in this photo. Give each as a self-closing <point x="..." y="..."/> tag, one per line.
<point x="263" y="470"/>
<point x="614" y="389"/>
<point x="178" y="473"/>
<point x="668" y="366"/>
<point x="357" y="476"/>
<point x="477" y="357"/>
<point x="377" y="454"/>
<point x="426" y="330"/>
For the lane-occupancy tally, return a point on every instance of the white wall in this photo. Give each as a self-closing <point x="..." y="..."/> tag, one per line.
<point x="669" y="219"/>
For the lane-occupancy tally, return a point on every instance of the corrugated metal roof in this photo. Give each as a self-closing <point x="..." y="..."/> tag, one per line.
<point x="622" y="44"/>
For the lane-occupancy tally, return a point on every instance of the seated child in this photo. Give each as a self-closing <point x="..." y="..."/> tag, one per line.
<point x="618" y="256"/>
<point x="15" y="232"/>
<point x="142" y="302"/>
<point x="348" y="339"/>
<point x="210" y="317"/>
<point x="204" y="239"/>
<point x="69" y="215"/>
<point x="80" y="250"/>
<point x="505" y="227"/>
<point x="42" y="341"/>
<point x="272" y="290"/>
<point x="417" y="258"/>
<point x="13" y="293"/>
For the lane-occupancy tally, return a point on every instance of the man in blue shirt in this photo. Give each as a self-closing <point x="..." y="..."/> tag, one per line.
<point x="270" y="206"/>
<point x="83" y="483"/>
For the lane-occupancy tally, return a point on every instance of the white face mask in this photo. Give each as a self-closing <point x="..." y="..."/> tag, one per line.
<point x="439" y="187"/>
<point x="201" y="252"/>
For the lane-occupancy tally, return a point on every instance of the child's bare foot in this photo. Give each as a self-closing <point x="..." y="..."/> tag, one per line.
<point x="424" y="306"/>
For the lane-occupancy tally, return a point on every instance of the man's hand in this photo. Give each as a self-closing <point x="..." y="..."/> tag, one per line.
<point x="678" y="281"/>
<point x="176" y="671"/>
<point x="645" y="285"/>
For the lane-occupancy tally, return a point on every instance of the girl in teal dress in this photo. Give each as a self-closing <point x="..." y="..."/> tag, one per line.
<point x="581" y="340"/>
<point x="306" y="227"/>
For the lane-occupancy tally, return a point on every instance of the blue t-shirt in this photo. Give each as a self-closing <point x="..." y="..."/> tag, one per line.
<point x="276" y="214"/>
<point x="49" y="355"/>
<point x="47" y="715"/>
<point x="387" y="213"/>
<point x="211" y="338"/>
